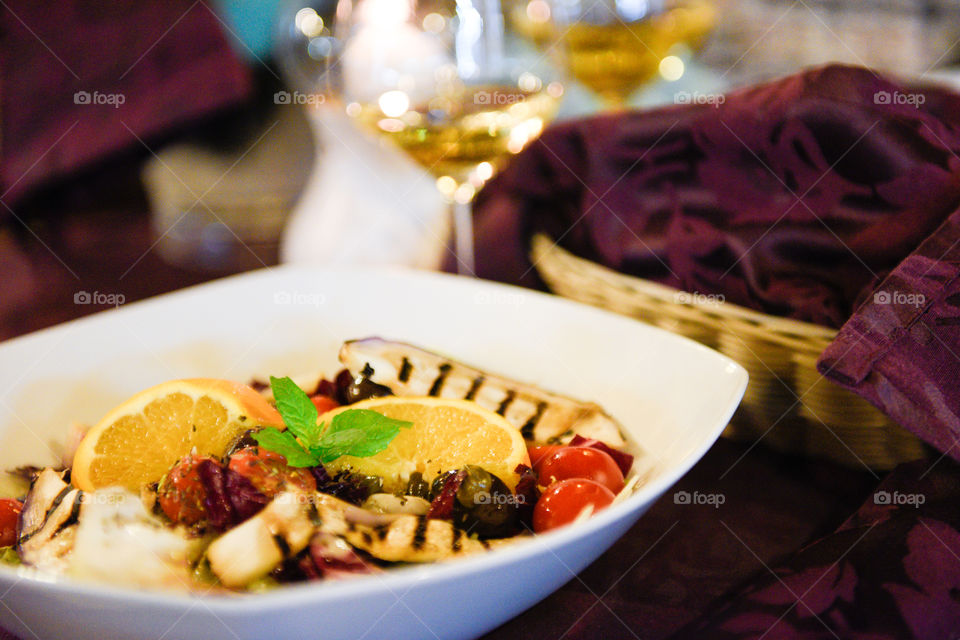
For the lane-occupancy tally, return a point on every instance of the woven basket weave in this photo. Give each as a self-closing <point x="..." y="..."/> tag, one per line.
<point x="787" y="403"/>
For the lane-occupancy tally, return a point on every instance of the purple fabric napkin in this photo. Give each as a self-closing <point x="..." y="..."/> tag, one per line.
<point x="82" y="80"/>
<point x="794" y="198"/>
<point x="832" y="197"/>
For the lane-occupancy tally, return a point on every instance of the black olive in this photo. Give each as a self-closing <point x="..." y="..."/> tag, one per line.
<point x="362" y="388"/>
<point x="485" y="505"/>
<point x="242" y="441"/>
<point x="417" y="486"/>
<point x="437" y="485"/>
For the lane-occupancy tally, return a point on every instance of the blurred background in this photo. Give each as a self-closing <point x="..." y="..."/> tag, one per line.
<point x="146" y="146"/>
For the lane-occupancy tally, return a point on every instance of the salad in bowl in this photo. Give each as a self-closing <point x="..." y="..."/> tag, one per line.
<point x="404" y="457"/>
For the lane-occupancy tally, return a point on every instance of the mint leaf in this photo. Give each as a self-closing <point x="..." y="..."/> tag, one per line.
<point x="285" y="444"/>
<point x="359" y="433"/>
<point x="296" y="409"/>
<point x="352" y="432"/>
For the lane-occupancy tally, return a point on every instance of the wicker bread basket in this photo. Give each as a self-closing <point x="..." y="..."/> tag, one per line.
<point x="788" y="404"/>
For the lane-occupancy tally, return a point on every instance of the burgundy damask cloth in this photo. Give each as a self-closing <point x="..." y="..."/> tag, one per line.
<point x="829" y="194"/>
<point x="82" y="79"/>
<point x="795" y="198"/>
<point x="901" y="350"/>
<point x="891" y="571"/>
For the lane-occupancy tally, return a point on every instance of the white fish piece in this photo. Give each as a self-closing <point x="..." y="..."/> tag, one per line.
<point x="105" y="535"/>
<point x="118" y="542"/>
<point x="541" y="416"/>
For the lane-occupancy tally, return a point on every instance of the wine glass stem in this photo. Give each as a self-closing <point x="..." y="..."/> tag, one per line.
<point x="462" y="218"/>
<point x="614" y="101"/>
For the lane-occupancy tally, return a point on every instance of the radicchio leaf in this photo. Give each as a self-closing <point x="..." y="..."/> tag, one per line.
<point x="624" y="460"/>
<point x="333" y="558"/>
<point x="342" y="382"/>
<point x="327" y="388"/>
<point x="220" y="511"/>
<point x="527" y="494"/>
<point x="443" y="503"/>
<point x="245" y="499"/>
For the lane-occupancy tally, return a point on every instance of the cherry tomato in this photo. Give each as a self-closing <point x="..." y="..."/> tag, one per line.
<point x="181" y="493"/>
<point x="563" y="501"/>
<point x="581" y="462"/>
<point x="324" y="403"/>
<point x="540" y="452"/>
<point x="9" y="521"/>
<point x="268" y="471"/>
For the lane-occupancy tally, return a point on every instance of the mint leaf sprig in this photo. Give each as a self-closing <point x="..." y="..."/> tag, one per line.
<point x="353" y="432"/>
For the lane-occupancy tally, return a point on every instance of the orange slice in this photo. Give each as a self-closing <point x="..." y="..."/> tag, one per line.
<point x="138" y="441"/>
<point x="446" y="434"/>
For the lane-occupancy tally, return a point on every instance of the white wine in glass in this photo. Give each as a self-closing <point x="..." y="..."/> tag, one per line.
<point x="614" y="47"/>
<point x="439" y="80"/>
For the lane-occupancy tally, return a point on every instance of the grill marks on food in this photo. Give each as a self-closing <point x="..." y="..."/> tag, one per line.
<point x="437" y="386"/>
<point x="527" y="429"/>
<point x="506" y="402"/>
<point x="420" y="533"/>
<point x="395" y="537"/>
<point x="405" y="369"/>
<point x="63" y="513"/>
<point x="474" y="387"/>
<point x="282" y="545"/>
<point x="540" y="415"/>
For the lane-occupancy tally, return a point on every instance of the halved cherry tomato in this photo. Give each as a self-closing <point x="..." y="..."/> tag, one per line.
<point x="268" y="471"/>
<point x="9" y="519"/>
<point x="324" y="403"/>
<point x="540" y="452"/>
<point x="181" y="493"/>
<point x="581" y="462"/>
<point x="563" y="501"/>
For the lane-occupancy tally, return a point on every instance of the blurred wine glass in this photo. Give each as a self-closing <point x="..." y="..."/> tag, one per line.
<point x="614" y="47"/>
<point x="305" y="46"/>
<point x="442" y="81"/>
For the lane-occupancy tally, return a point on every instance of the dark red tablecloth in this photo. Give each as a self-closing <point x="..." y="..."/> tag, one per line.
<point x="662" y="575"/>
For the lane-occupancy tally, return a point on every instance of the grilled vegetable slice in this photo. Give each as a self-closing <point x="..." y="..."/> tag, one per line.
<point x="402" y="538"/>
<point x="47" y="521"/>
<point x="254" y="548"/>
<point x="540" y="415"/>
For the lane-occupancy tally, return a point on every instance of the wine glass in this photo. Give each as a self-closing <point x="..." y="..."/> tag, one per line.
<point x="442" y="81"/>
<point x="616" y="46"/>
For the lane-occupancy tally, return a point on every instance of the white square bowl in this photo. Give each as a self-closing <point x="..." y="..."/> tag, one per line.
<point x="672" y="396"/>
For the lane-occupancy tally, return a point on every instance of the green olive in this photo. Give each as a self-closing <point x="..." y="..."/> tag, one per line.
<point x="485" y="505"/>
